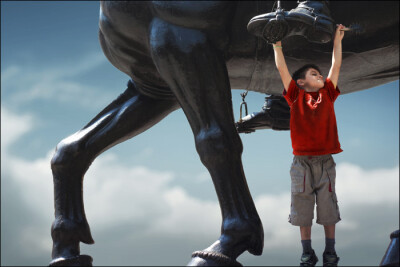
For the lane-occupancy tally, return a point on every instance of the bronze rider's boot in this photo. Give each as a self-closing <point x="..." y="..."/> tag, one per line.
<point x="310" y="19"/>
<point x="275" y="115"/>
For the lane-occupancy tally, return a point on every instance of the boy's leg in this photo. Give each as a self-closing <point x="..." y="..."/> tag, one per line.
<point x="329" y="239"/>
<point x="302" y="207"/>
<point x="308" y="258"/>
<point x="330" y="231"/>
<point x="329" y="256"/>
<point x="305" y="232"/>
<point x="327" y="209"/>
<point x="302" y="193"/>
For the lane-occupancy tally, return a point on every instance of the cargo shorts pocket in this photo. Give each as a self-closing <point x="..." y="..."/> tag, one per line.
<point x="335" y="203"/>
<point x="332" y="179"/>
<point x="298" y="180"/>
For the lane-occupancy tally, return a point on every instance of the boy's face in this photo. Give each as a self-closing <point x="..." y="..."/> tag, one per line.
<point x="313" y="81"/>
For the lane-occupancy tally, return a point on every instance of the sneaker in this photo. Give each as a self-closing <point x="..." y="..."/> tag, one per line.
<point x="330" y="259"/>
<point x="308" y="259"/>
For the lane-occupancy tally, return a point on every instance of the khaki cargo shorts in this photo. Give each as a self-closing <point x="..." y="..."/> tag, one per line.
<point x="313" y="181"/>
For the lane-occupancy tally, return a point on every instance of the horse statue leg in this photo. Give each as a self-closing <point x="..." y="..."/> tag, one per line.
<point x="196" y="73"/>
<point x="129" y="115"/>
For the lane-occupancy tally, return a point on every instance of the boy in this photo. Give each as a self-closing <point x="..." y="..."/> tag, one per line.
<point x="314" y="138"/>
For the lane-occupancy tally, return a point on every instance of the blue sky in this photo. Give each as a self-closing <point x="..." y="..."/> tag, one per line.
<point x="152" y="193"/>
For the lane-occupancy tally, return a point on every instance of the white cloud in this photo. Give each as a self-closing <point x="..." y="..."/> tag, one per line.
<point x="24" y="83"/>
<point x="13" y="127"/>
<point x="186" y="213"/>
<point x="118" y="194"/>
<point x="357" y="186"/>
<point x="274" y="212"/>
<point x="35" y="180"/>
<point x="90" y="61"/>
<point x="115" y="193"/>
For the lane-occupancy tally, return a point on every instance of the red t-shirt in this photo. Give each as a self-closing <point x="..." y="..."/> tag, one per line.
<point x="313" y="128"/>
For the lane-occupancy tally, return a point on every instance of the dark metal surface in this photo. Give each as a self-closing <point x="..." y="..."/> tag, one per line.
<point x="275" y="114"/>
<point x="189" y="55"/>
<point x="369" y="59"/>
<point x="391" y="257"/>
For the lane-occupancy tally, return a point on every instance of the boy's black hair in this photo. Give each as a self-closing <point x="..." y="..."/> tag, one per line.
<point x="301" y="73"/>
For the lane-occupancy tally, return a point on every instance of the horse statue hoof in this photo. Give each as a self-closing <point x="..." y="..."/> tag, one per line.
<point x="81" y="260"/>
<point x="391" y="257"/>
<point x="207" y="258"/>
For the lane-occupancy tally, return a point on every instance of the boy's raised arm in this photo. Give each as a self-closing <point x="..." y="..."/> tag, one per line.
<point x="281" y="65"/>
<point x="336" y="55"/>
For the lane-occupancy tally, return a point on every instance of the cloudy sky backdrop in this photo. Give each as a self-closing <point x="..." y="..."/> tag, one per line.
<point x="149" y="200"/>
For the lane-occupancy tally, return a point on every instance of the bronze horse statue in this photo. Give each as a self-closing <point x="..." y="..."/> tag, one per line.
<point x="190" y="55"/>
